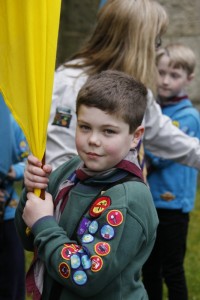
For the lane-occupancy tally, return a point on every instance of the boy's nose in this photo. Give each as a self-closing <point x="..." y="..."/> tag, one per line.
<point x="166" y="79"/>
<point x="94" y="138"/>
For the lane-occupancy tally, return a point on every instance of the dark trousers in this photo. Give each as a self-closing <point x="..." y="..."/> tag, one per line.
<point x="12" y="263"/>
<point x="167" y="257"/>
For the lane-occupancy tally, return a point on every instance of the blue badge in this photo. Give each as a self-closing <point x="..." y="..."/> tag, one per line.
<point x="80" y="277"/>
<point x="75" y="261"/>
<point x="93" y="227"/>
<point x="84" y="224"/>
<point x="87" y="238"/>
<point x="107" y="232"/>
<point x="86" y="262"/>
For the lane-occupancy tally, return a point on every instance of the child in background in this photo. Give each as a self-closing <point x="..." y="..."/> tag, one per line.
<point x="98" y="231"/>
<point x="12" y="262"/>
<point x="173" y="186"/>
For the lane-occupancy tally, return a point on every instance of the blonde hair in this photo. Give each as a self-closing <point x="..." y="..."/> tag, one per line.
<point x="180" y="56"/>
<point x="124" y="39"/>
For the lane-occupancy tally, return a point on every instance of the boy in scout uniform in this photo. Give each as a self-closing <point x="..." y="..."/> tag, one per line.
<point x="97" y="224"/>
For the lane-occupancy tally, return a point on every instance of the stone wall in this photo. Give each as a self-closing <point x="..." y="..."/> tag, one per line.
<point x="78" y="18"/>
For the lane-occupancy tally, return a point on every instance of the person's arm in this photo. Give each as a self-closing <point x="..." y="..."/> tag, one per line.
<point x="164" y="139"/>
<point x="62" y="122"/>
<point x="101" y="259"/>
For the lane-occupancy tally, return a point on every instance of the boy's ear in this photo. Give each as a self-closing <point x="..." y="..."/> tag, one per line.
<point x="190" y="77"/>
<point x="137" y="135"/>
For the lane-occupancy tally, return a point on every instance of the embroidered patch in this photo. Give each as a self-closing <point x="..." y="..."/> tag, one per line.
<point x="107" y="232"/>
<point x="176" y="123"/>
<point x="68" y="250"/>
<point x="102" y="248"/>
<point x="80" y="277"/>
<point x="99" y="206"/>
<point x="86" y="262"/>
<point x="84" y="224"/>
<point x="97" y="263"/>
<point x="62" y="117"/>
<point x="13" y="203"/>
<point x="93" y="227"/>
<point x="64" y="270"/>
<point x="75" y="261"/>
<point x="168" y="196"/>
<point x="76" y="247"/>
<point x="115" y="217"/>
<point x="87" y="238"/>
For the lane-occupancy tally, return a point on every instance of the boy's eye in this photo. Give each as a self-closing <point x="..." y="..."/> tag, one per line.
<point x="161" y="73"/>
<point x="84" y="127"/>
<point x="109" y="131"/>
<point x="175" y="76"/>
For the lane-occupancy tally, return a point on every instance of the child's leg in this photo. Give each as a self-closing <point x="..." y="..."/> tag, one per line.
<point x="12" y="271"/>
<point x="175" y="227"/>
<point x="152" y="272"/>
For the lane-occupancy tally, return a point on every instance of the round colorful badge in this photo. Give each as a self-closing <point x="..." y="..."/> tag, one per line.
<point x="64" y="270"/>
<point x="102" y="248"/>
<point x="86" y="262"/>
<point x="93" y="227"/>
<point x="115" y="217"/>
<point x="87" y="238"/>
<point x="99" y="206"/>
<point x="75" y="261"/>
<point x="97" y="263"/>
<point x="80" y="277"/>
<point x="67" y="252"/>
<point x="107" y="232"/>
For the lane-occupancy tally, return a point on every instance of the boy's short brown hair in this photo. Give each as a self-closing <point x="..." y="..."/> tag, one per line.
<point x="180" y="56"/>
<point x="116" y="93"/>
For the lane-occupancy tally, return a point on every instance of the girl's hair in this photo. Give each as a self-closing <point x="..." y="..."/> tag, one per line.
<point x="115" y="93"/>
<point x="180" y="56"/>
<point x="124" y="39"/>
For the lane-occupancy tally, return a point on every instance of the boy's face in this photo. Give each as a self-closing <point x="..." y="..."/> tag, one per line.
<point x="103" y="140"/>
<point x="171" y="81"/>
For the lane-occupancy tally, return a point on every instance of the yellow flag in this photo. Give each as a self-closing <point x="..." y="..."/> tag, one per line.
<point x="28" y="43"/>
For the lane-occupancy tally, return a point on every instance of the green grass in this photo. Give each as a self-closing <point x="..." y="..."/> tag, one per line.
<point x="192" y="260"/>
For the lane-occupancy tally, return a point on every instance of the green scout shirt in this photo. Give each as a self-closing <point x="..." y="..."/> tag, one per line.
<point x="99" y="246"/>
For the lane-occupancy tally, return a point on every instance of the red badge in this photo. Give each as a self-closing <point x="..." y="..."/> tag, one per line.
<point x="99" y="206"/>
<point x="68" y="250"/>
<point x="102" y="248"/>
<point x="64" y="270"/>
<point x="115" y="217"/>
<point x="97" y="263"/>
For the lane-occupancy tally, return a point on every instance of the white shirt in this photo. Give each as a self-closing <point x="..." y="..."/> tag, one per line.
<point x="161" y="137"/>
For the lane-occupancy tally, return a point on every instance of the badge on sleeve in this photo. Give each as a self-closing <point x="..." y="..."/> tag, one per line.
<point x="102" y="248"/>
<point x="75" y="261"/>
<point x="115" y="217"/>
<point x="97" y="263"/>
<point x="80" y="277"/>
<point x="93" y="227"/>
<point x="86" y="262"/>
<point x="83" y="226"/>
<point x="99" y="206"/>
<point x="107" y="232"/>
<point x="64" y="270"/>
<point x="68" y="250"/>
<point x="87" y="238"/>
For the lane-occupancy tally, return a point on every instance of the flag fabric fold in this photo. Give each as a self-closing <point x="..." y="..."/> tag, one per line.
<point x="28" y="43"/>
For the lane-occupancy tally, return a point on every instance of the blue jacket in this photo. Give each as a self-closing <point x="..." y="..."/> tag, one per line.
<point x="5" y="139"/>
<point x="173" y="185"/>
<point x="19" y="150"/>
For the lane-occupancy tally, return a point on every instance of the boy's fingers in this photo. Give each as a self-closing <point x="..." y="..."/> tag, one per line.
<point x="34" y="161"/>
